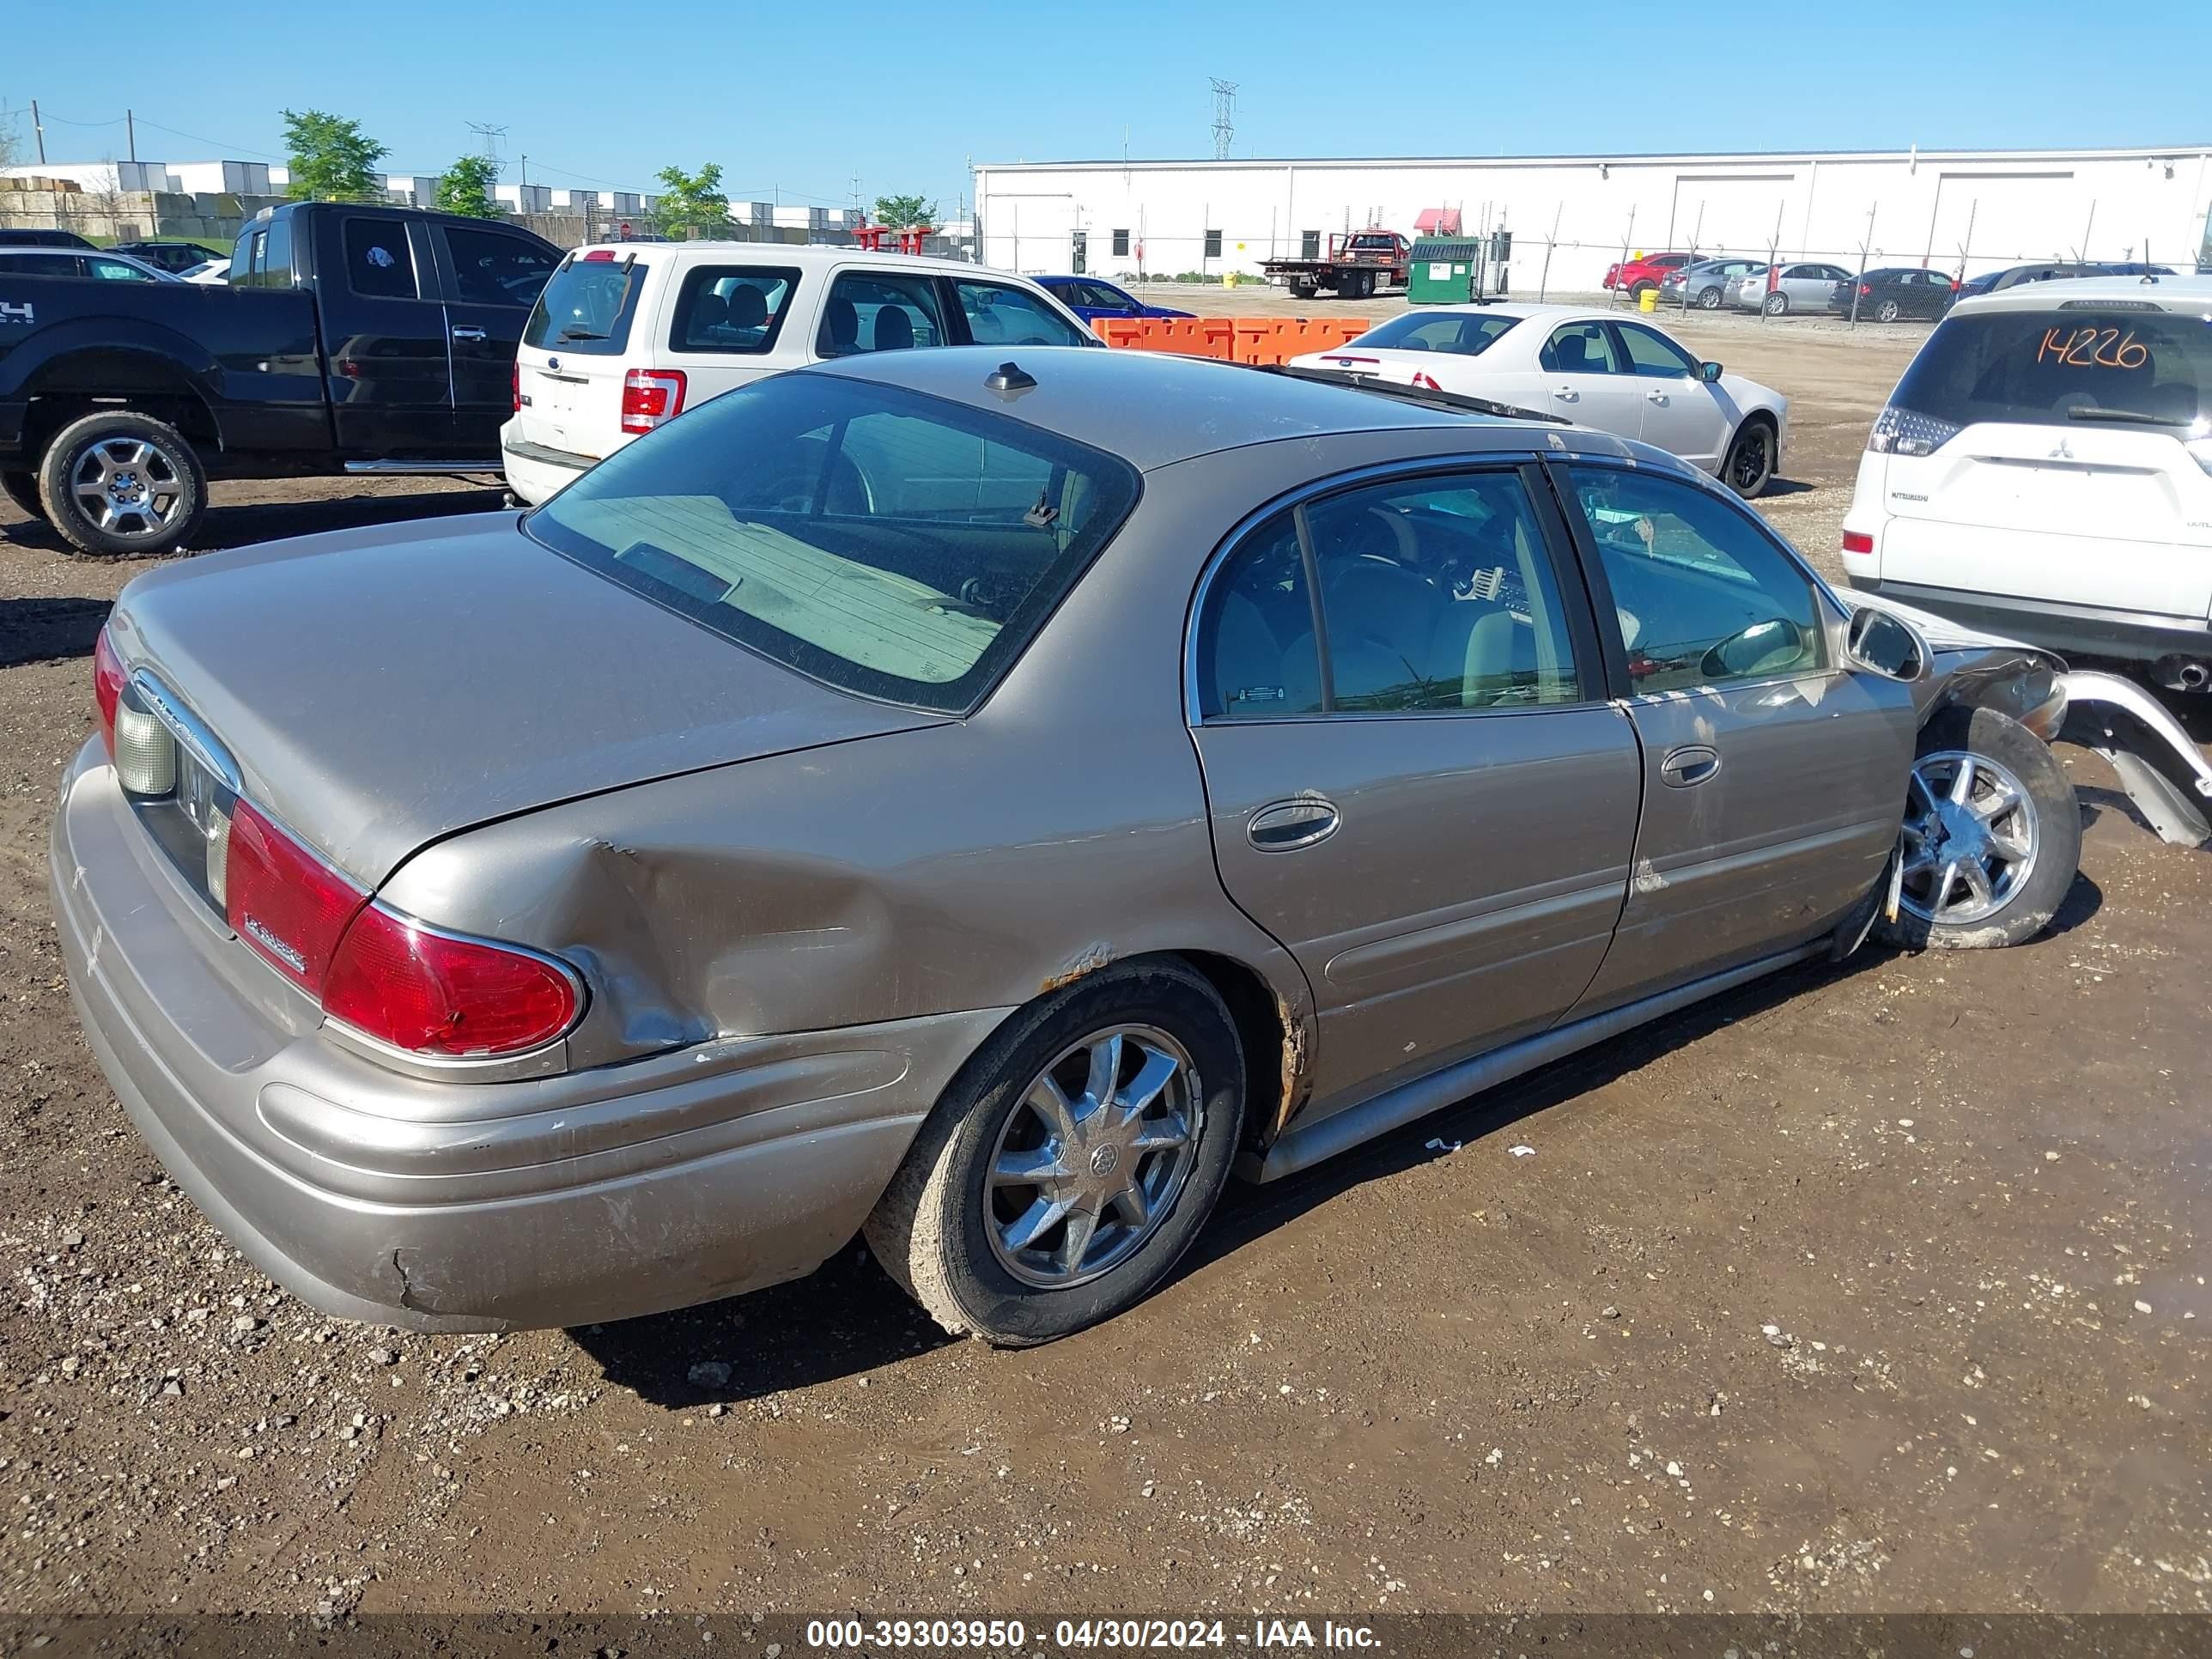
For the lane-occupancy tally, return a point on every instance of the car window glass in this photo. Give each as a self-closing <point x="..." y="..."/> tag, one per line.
<point x="736" y="309"/>
<point x="1104" y="298"/>
<point x="1256" y="656"/>
<point x="1652" y="355"/>
<point x="115" y="270"/>
<point x="1580" y="349"/>
<point x="1465" y="334"/>
<point x="1700" y="595"/>
<point x="379" y="264"/>
<point x="1439" y="594"/>
<point x="998" y="315"/>
<point x="41" y="265"/>
<point x="493" y="269"/>
<point x="879" y="313"/>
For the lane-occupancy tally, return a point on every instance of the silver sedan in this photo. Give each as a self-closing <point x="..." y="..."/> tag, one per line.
<point x="1802" y="286"/>
<point x="976" y="803"/>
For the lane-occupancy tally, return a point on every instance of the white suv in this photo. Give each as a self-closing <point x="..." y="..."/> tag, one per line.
<point x="2045" y="470"/>
<point x="627" y="336"/>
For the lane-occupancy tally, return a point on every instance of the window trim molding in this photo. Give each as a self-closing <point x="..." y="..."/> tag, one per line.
<point x="1561" y="546"/>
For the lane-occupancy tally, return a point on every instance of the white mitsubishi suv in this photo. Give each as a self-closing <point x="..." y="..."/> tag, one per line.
<point x="627" y="336"/>
<point x="2045" y="470"/>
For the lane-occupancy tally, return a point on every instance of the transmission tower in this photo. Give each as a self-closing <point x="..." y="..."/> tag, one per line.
<point x="1224" y="118"/>
<point x="489" y="138"/>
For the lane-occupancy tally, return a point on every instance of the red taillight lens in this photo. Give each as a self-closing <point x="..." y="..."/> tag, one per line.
<point x="517" y="367"/>
<point x="651" y="396"/>
<point x="284" y="901"/>
<point x="432" y="994"/>
<point x="1857" y="541"/>
<point x="1865" y="289"/>
<point x="107" y="678"/>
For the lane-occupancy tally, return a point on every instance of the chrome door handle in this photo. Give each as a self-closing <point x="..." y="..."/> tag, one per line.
<point x="1693" y="763"/>
<point x="1656" y="397"/>
<point x="1566" y="394"/>
<point x="468" y="331"/>
<point x="1286" y="825"/>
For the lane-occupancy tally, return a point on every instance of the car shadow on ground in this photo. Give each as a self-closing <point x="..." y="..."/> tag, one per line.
<point x="848" y="1317"/>
<point x="1785" y="487"/>
<point x="49" y="630"/>
<point x="248" y="522"/>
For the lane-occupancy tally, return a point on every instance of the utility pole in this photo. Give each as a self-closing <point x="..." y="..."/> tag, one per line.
<point x="1866" y="249"/>
<point x="39" y="131"/>
<point x="130" y="130"/>
<point x="526" y="170"/>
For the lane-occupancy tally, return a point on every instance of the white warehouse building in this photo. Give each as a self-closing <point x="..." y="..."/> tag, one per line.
<point x="1572" y="215"/>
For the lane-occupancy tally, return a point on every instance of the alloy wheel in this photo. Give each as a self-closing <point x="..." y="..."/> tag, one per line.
<point x="1092" y="1158"/>
<point x="1969" y="836"/>
<point x="128" y="488"/>
<point x="1751" y="462"/>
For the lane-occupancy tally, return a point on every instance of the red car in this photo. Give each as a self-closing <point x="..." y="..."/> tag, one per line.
<point x="1644" y="271"/>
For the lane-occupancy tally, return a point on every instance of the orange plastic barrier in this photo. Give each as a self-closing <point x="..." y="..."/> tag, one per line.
<point x="1231" y="339"/>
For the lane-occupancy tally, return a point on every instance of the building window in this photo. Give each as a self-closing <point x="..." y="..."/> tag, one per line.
<point x="1121" y="244"/>
<point x="1213" y="245"/>
<point x="1309" y="245"/>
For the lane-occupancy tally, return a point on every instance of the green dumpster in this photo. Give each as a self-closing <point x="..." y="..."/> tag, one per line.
<point x="1445" y="271"/>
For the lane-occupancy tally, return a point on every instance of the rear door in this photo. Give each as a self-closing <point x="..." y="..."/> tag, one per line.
<point x="1414" y="780"/>
<point x="2044" y="454"/>
<point x="1773" y="777"/>
<point x="493" y="275"/>
<point x="390" y="377"/>
<point x="1587" y="378"/>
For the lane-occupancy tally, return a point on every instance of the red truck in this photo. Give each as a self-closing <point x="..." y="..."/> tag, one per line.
<point x="1358" y="265"/>
<point x="1646" y="271"/>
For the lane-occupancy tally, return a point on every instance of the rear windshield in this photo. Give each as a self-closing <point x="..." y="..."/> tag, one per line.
<point x="587" y="307"/>
<point x="2090" y="364"/>
<point x="1414" y="331"/>
<point x="894" y="545"/>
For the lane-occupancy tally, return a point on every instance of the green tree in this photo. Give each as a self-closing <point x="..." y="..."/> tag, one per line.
<point x="466" y="188"/>
<point x="332" y="160"/>
<point x="905" y="212"/>
<point x="691" y="202"/>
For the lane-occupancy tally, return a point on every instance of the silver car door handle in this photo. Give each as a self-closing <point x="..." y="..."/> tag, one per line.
<point x="468" y="331"/>
<point x="1693" y="763"/>
<point x="1286" y="825"/>
<point x="1566" y="394"/>
<point x="1655" y="396"/>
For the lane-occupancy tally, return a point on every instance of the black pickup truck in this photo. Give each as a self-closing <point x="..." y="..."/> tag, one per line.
<point x="349" y="338"/>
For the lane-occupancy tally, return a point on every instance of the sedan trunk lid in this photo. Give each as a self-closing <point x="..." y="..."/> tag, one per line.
<point x="382" y="689"/>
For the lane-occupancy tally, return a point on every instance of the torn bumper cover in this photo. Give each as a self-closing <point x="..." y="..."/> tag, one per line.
<point x="556" y="1200"/>
<point x="2159" y="764"/>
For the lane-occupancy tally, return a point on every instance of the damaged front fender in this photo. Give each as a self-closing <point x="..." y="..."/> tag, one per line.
<point x="2160" y="767"/>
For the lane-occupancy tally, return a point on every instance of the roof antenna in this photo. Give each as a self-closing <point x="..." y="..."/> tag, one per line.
<point x="1009" y="377"/>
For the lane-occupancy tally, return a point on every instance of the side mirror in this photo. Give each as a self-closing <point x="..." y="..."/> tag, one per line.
<point x="1709" y="373"/>
<point x="1886" y="645"/>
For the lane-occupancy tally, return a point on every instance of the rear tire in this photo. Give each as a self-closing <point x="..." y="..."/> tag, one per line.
<point x="1777" y="304"/>
<point x="1640" y="287"/>
<point x="2018" y="825"/>
<point x="961" y="1226"/>
<point x="1887" y="312"/>
<point x="120" y="483"/>
<point x="1710" y="299"/>
<point x="22" y="489"/>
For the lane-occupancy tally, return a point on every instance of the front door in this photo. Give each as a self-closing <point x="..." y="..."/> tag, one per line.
<point x="1434" y="810"/>
<point x="493" y="275"/>
<point x="390" y="376"/>
<point x="1774" y="778"/>
<point x="1681" y="414"/>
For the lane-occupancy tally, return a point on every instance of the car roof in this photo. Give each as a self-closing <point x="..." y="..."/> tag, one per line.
<point x="1154" y="408"/>
<point x="2184" y="294"/>
<point x="806" y="256"/>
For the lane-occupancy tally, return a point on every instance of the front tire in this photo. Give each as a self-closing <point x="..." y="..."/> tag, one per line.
<point x="120" y="483"/>
<point x="1072" y="1160"/>
<point x="1749" y="467"/>
<point x="22" y="489"/>
<point x="1992" y="837"/>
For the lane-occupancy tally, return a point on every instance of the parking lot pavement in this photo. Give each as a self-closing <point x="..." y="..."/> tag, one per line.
<point x="1871" y="1288"/>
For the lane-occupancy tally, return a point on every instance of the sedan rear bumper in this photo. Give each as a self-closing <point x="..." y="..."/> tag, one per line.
<point x="595" y="1195"/>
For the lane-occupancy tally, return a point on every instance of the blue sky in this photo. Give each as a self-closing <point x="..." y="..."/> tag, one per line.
<point x="799" y="99"/>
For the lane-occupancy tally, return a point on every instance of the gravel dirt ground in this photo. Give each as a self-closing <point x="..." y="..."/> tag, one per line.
<point x="1878" y="1288"/>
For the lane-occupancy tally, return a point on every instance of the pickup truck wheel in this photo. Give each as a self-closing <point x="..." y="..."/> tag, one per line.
<point x="22" y="489"/>
<point x="118" y="484"/>
<point x="1992" y="837"/>
<point x="1072" y="1161"/>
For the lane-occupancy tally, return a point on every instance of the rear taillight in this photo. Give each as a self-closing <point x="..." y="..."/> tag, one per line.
<point x="108" y="679"/>
<point x="1901" y="432"/>
<point x="1865" y="289"/>
<point x="1954" y="285"/>
<point x="651" y="396"/>
<point x="1857" y="541"/>
<point x="284" y="901"/>
<point x="382" y="974"/>
<point x="517" y="367"/>
<point x="433" y="993"/>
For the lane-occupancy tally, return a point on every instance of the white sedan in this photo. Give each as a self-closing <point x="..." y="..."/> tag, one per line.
<point x="1618" y="374"/>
